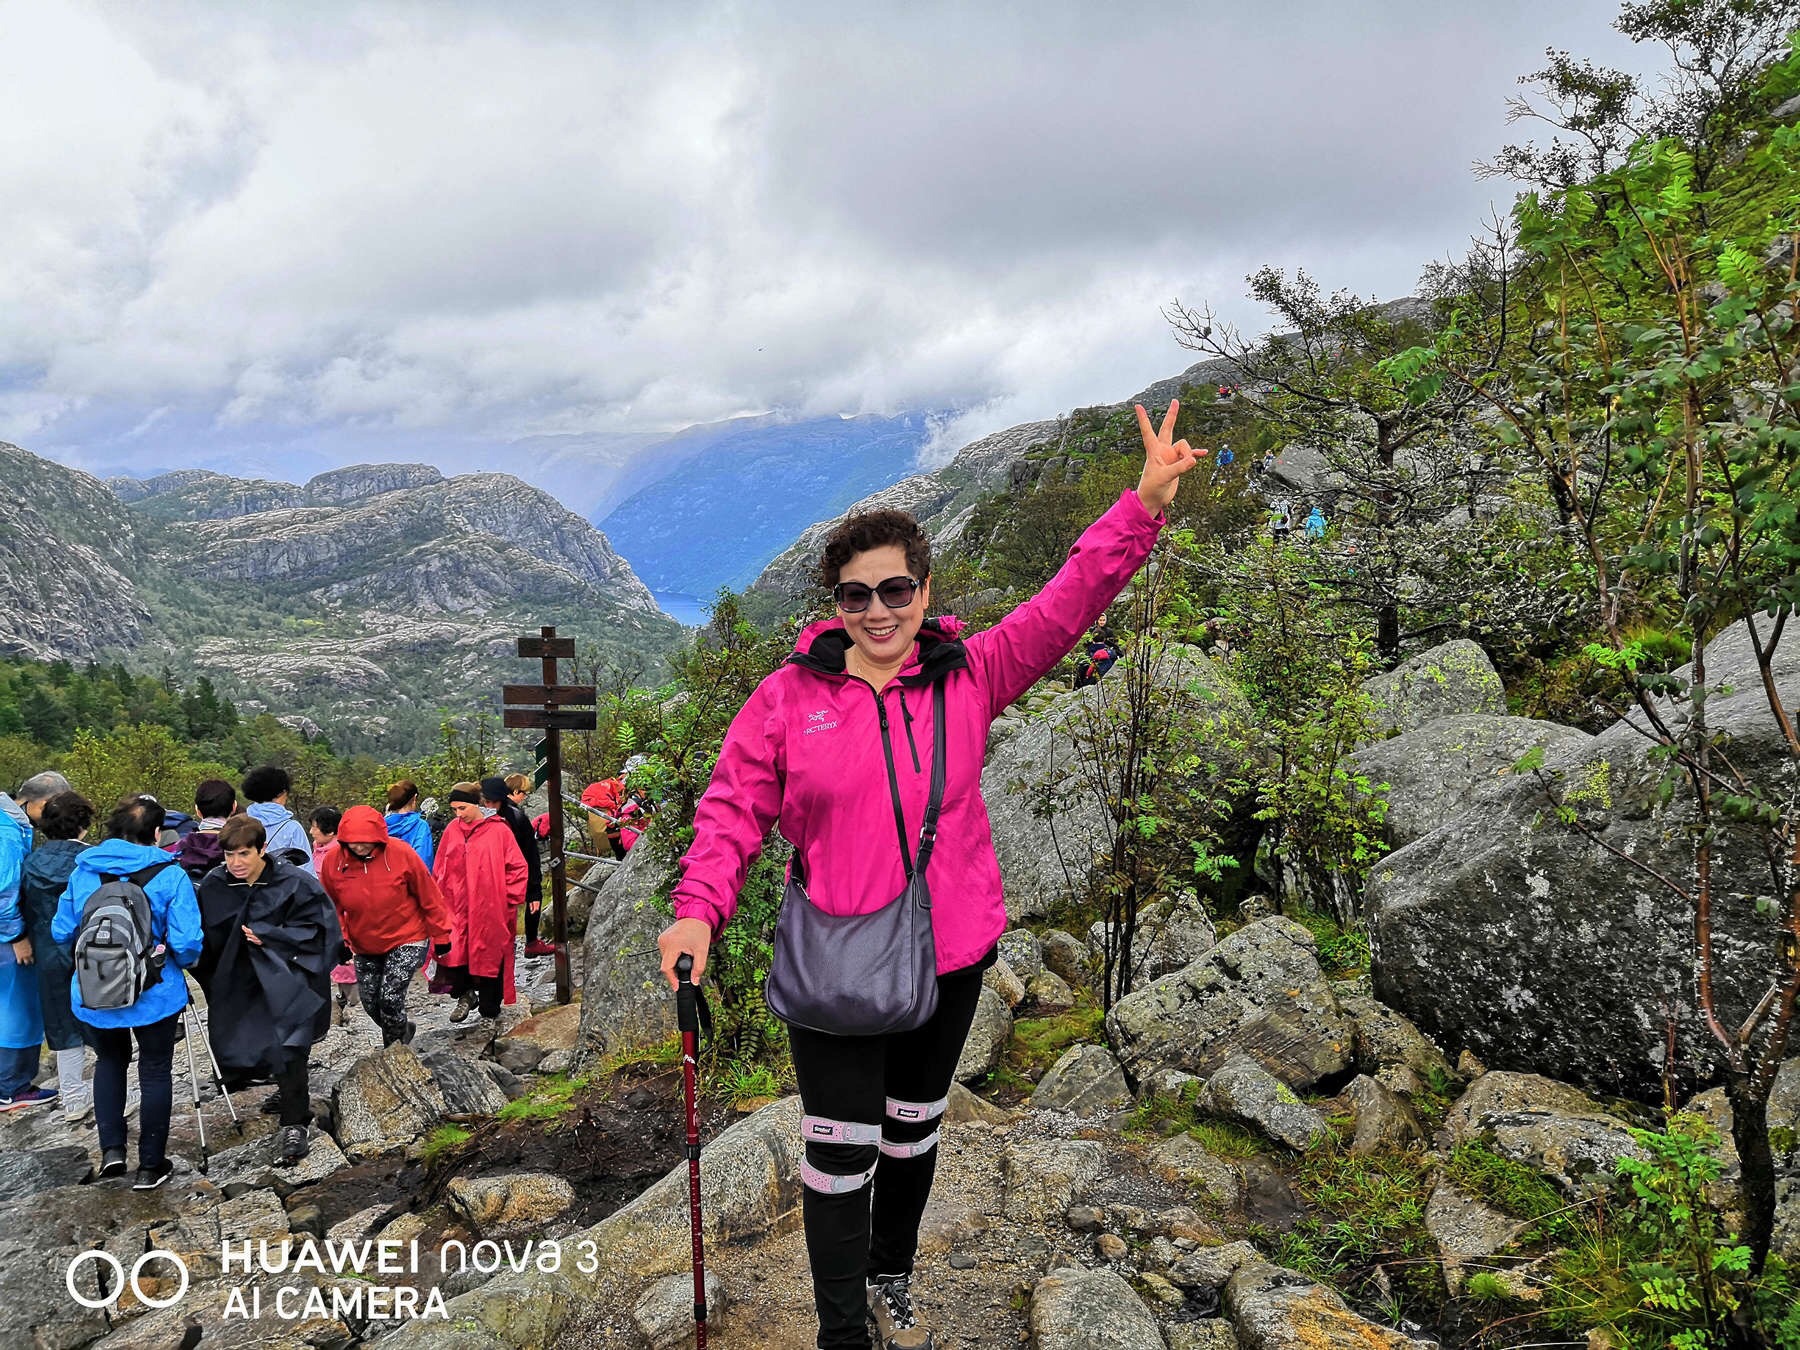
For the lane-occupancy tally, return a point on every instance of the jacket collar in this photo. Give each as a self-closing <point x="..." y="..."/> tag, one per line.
<point x="824" y="647"/>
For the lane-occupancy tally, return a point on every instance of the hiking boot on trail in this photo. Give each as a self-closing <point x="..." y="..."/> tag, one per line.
<point x="464" y="1004"/>
<point x="294" y="1144"/>
<point x="891" y="1312"/>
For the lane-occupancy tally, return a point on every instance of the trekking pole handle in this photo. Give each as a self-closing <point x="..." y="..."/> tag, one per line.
<point x="687" y="995"/>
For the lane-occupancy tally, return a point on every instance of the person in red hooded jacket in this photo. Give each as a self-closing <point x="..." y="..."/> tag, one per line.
<point x="483" y="876"/>
<point x="389" y="907"/>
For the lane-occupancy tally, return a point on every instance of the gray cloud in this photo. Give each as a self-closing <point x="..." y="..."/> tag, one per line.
<point x="487" y="222"/>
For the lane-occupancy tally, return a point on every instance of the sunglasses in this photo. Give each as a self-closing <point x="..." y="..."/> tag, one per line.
<point x="853" y="597"/>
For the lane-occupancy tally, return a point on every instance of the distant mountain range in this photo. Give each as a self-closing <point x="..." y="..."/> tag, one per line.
<point x="364" y="599"/>
<point x="711" y="507"/>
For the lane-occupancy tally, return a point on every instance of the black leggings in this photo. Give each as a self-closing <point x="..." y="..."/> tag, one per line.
<point x="383" y="980"/>
<point x="893" y="1088"/>
<point x="156" y="1060"/>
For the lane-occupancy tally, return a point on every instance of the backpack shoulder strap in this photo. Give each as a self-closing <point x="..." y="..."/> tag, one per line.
<point x="143" y="874"/>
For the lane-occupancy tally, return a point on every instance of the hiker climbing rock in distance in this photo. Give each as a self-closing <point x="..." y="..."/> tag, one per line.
<point x="879" y="719"/>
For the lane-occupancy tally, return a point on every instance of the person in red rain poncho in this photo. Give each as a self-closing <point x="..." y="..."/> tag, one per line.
<point x="483" y="877"/>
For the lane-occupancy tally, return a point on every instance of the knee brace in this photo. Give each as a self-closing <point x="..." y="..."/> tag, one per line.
<point x="908" y="1116"/>
<point x="838" y="1144"/>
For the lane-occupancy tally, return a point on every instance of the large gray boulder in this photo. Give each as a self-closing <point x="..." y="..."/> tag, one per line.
<point x="1553" y="1128"/>
<point x="988" y="1035"/>
<point x="1435" y="771"/>
<point x="387" y="1101"/>
<point x="1260" y="991"/>
<point x="1244" y="1091"/>
<point x="1076" y="1309"/>
<point x="1085" y="1079"/>
<point x="624" y="999"/>
<point x="1169" y="935"/>
<point x="1050" y="827"/>
<point x="1446" y="681"/>
<point x="1502" y="933"/>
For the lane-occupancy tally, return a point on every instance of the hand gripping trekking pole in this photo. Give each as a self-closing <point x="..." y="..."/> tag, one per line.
<point x="691" y="1012"/>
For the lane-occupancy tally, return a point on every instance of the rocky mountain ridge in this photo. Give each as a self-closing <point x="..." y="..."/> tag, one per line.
<point x="363" y="598"/>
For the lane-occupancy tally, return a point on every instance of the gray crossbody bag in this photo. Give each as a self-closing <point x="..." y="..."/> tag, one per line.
<point x="864" y="974"/>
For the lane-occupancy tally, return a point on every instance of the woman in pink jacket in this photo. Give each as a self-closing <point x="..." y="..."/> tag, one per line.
<point x="812" y="750"/>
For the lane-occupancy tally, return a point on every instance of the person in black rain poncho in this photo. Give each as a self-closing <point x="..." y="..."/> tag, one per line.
<point x="271" y="940"/>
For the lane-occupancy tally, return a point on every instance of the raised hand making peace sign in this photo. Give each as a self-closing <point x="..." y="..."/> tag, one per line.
<point x="1165" y="459"/>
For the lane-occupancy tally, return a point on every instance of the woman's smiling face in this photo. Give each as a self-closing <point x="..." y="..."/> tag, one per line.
<point x="882" y="635"/>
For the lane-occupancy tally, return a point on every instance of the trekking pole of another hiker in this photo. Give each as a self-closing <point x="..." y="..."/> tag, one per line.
<point x="237" y="1122"/>
<point x="193" y="1030"/>
<point x="689" y="1009"/>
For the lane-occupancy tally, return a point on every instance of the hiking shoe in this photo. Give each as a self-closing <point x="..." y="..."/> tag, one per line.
<point x="271" y="1105"/>
<point x="891" y="1313"/>
<point x="464" y="1005"/>
<point x="293" y="1145"/>
<point x="540" y="948"/>
<point x="27" y="1096"/>
<point x="149" y="1178"/>
<point x="112" y="1164"/>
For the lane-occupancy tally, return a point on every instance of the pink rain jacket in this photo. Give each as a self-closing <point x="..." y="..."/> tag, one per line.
<point x="806" y="750"/>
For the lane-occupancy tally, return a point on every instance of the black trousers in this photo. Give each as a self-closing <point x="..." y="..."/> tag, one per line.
<point x="156" y="1062"/>
<point x="874" y="1229"/>
<point x="291" y="1091"/>
<point x="487" y="989"/>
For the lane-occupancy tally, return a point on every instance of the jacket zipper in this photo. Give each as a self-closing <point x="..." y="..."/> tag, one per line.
<point x="910" y="743"/>
<point x="887" y="751"/>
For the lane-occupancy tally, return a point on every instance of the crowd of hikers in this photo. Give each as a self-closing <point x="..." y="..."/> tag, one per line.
<point x="266" y="915"/>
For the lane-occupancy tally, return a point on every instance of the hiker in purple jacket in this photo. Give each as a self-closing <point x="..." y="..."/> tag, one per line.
<point x="836" y="748"/>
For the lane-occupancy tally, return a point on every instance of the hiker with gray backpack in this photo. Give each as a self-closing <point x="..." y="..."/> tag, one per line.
<point x="134" y="923"/>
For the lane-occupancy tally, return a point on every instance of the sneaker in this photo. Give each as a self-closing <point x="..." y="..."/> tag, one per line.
<point x="149" y="1178"/>
<point x="891" y="1313"/>
<point x="540" y="948"/>
<point x="294" y="1145"/>
<point x="27" y="1096"/>
<point x="112" y="1164"/>
<point x="463" y="1007"/>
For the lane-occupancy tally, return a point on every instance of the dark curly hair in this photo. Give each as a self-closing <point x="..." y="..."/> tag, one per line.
<point x="875" y="529"/>
<point x="65" y="816"/>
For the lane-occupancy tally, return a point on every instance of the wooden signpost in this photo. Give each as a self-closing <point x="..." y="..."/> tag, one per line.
<point x="553" y="708"/>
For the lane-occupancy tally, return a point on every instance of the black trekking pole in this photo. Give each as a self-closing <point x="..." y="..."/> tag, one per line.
<point x="690" y="1011"/>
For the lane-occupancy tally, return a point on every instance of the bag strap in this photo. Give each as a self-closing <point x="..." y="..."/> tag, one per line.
<point x="939" y="736"/>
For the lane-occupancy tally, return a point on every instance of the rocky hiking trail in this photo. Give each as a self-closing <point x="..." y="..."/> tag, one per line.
<point x="1261" y="1146"/>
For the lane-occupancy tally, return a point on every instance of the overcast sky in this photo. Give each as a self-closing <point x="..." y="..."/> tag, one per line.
<point x="283" y="237"/>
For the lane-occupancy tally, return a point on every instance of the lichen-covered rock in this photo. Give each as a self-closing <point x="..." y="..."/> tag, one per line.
<point x="1386" y="1039"/>
<point x="1209" y="1268"/>
<point x="1434" y="771"/>
<point x="1075" y="1309"/>
<point x="1784" y="1139"/>
<point x="1537" y="949"/>
<point x="1276" y="1309"/>
<point x="665" y="1312"/>
<point x="1550" y="1127"/>
<point x="511" y="1205"/>
<point x="1169" y="935"/>
<point x="988" y="1035"/>
<point x="1066" y="956"/>
<point x="624" y="999"/>
<point x="1259" y="991"/>
<point x="1383" y="1121"/>
<point x="1021" y="950"/>
<point x="1465" y="1231"/>
<point x="1045" y="1176"/>
<point x="1243" y="1090"/>
<point x="1181" y="1157"/>
<point x="1001" y="978"/>
<point x="1048" y="992"/>
<point x="387" y="1101"/>
<point x="1448" y="680"/>
<point x="468" y="1088"/>
<point x="1085" y="1079"/>
<point x="1209" y="1333"/>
